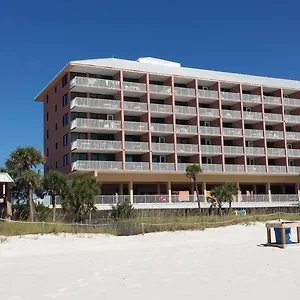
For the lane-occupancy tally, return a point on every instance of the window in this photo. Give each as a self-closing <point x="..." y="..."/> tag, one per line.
<point x="56" y="126"/>
<point x="47" y="134"/>
<point x="110" y="117"/>
<point x="291" y="163"/>
<point x="55" y="107"/>
<point x="209" y="160"/>
<point x="161" y="139"/>
<point x="65" y="119"/>
<point x="47" y="116"/>
<point x="56" y="164"/>
<point x="65" y="100"/>
<point x="80" y="156"/>
<point x="47" y="99"/>
<point x="65" y="139"/>
<point x="64" y="80"/>
<point x="55" y="145"/>
<point x="55" y="89"/>
<point x="66" y="159"/>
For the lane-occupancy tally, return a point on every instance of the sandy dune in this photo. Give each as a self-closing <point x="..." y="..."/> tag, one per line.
<point x="224" y="263"/>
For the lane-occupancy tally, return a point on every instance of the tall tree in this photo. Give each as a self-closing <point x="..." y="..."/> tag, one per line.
<point x="79" y="197"/>
<point x="20" y="165"/>
<point x="191" y="172"/>
<point x="54" y="184"/>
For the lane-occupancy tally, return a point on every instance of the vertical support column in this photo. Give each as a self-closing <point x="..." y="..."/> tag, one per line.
<point x="158" y="188"/>
<point x="238" y="194"/>
<point x="221" y="125"/>
<point x="149" y="120"/>
<point x="284" y="131"/>
<point x="122" y="119"/>
<point x="298" y="190"/>
<point x="121" y="189"/>
<point x="264" y="126"/>
<point x="169" y="188"/>
<point x="204" y="191"/>
<point x="130" y="185"/>
<point x="243" y="127"/>
<point x="269" y="191"/>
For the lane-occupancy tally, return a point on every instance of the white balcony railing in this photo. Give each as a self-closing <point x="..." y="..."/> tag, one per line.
<point x="235" y="114"/>
<point x="184" y="91"/>
<point x="254" y="133"/>
<point x="95" y="103"/>
<point x="293" y="170"/>
<point x="231" y="96"/>
<point x="160" y="89"/>
<point x="293" y="135"/>
<point x="212" y="168"/>
<point x="293" y="152"/>
<point x="155" y="127"/>
<point x="162" y="147"/>
<point x="134" y="86"/>
<point x="273" y="117"/>
<point x="272" y="100"/>
<point x="292" y="118"/>
<point x="249" y="115"/>
<point x="188" y="148"/>
<point x="211" y="149"/>
<point x="135" y="126"/>
<point x="232" y="131"/>
<point x="275" y="152"/>
<point x="255" y="198"/>
<point x="187" y="129"/>
<point x="88" y="165"/>
<point x="235" y="168"/>
<point x="209" y="112"/>
<point x="255" y="151"/>
<point x="95" y="124"/>
<point x="291" y="101"/>
<point x="136" y="146"/>
<point x="137" y="166"/>
<point x="161" y="108"/>
<point x="256" y="169"/>
<point x="208" y="94"/>
<point x="233" y="150"/>
<point x="182" y="166"/>
<point x="94" y="82"/>
<point x="96" y="145"/>
<point x="135" y="106"/>
<point x="274" y="134"/>
<point x="185" y="110"/>
<point x="251" y="98"/>
<point x="206" y="130"/>
<point x="277" y="169"/>
<point x="163" y="167"/>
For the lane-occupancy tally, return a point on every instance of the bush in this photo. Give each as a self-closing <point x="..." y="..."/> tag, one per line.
<point x="122" y="210"/>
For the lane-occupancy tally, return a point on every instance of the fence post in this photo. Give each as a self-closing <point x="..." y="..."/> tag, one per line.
<point x="143" y="229"/>
<point x="43" y="228"/>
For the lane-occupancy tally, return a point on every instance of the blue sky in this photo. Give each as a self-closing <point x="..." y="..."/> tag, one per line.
<point x="38" y="38"/>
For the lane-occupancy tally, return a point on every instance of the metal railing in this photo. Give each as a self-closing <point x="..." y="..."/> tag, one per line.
<point x="111" y="199"/>
<point x="293" y="152"/>
<point x="150" y="198"/>
<point x="255" y="198"/>
<point x="254" y="133"/>
<point x="273" y="117"/>
<point x="95" y="82"/>
<point x="185" y="110"/>
<point x="186" y="129"/>
<point x="95" y="124"/>
<point x="235" y="168"/>
<point x="276" y="151"/>
<point x="188" y="148"/>
<point x="274" y="134"/>
<point x="231" y="96"/>
<point x="89" y="165"/>
<point x="95" y="103"/>
<point x="96" y="145"/>
<point x="137" y="166"/>
<point x="232" y="131"/>
<point x="136" y="146"/>
<point x="182" y="166"/>
<point x="255" y="151"/>
<point x="161" y="108"/>
<point x="231" y="114"/>
<point x="293" y="170"/>
<point x="136" y="126"/>
<point x="277" y="169"/>
<point x="138" y="106"/>
<point x="207" y="130"/>
<point x="160" y="89"/>
<point x="134" y="86"/>
<point x="163" y="167"/>
<point x="292" y="118"/>
<point x="208" y="94"/>
<point x="184" y="92"/>
<point x="162" y="147"/>
<point x="284" y="198"/>
<point x="212" y="168"/>
<point x="272" y="100"/>
<point x="186" y="198"/>
<point x="293" y="135"/>
<point x="249" y="115"/>
<point x="233" y="150"/>
<point x="211" y="149"/>
<point x="291" y="101"/>
<point x="256" y="169"/>
<point x="156" y="127"/>
<point x="209" y="112"/>
<point x="251" y="98"/>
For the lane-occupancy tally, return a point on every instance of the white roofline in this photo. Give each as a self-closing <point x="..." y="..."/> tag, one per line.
<point x="5" y="177"/>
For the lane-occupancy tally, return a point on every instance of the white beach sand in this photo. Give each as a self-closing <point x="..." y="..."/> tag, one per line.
<point x="223" y="263"/>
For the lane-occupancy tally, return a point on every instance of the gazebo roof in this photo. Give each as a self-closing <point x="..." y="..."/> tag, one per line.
<point x="4" y="177"/>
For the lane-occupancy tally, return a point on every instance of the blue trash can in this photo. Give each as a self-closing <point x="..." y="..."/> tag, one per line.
<point x="287" y="235"/>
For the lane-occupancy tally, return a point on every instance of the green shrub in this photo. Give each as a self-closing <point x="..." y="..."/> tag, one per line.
<point x="122" y="210"/>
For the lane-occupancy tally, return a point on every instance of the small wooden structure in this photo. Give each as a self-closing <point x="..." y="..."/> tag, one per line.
<point x="282" y="225"/>
<point x="6" y="183"/>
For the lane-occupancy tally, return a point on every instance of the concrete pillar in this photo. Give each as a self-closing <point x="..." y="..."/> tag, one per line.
<point x="158" y="188"/>
<point x="130" y="187"/>
<point x="269" y="191"/>
<point x="254" y="189"/>
<point x="121" y="189"/>
<point x="204" y="191"/>
<point x="238" y="196"/>
<point x="298" y="190"/>
<point x="169" y="188"/>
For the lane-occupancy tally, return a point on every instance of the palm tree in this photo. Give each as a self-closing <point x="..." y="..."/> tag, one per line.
<point x="20" y="165"/>
<point x="54" y="184"/>
<point x="191" y="172"/>
<point x="232" y="190"/>
<point x="79" y="197"/>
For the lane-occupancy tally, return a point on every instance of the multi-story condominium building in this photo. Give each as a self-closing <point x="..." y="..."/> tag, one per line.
<point x="136" y="125"/>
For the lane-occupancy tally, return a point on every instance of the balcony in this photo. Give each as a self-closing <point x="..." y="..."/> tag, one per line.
<point x="160" y="89"/>
<point x="208" y="94"/>
<point x="209" y="112"/>
<point x="185" y="110"/>
<point x="182" y="167"/>
<point x="259" y="151"/>
<point x="211" y="168"/>
<point x="96" y="146"/>
<point x="162" y="128"/>
<point x="272" y="100"/>
<point x="231" y="114"/>
<point x="254" y="133"/>
<point x="211" y="149"/>
<point x="256" y="169"/>
<point x="249" y="115"/>
<point x="277" y="169"/>
<point x="163" y="167"/>
<point x="137" y="166"/>
<point x="251" y="98"/>
<point x="275" y="152"/>
<point x="85" y="125"/>
<point x="79" y="104"/>
<point x="274" y="134"/>
<point x="292" y="118"/>
<point x="186" y="129"/>
<point x="206" y="130"/>
<point x="232" y="131"/>
<point x="135" y="106"/>
<point x="291" y="102"/>
<point x="235" y="168"/>
<point x="293" y="135"/>
<point x="161" y="109"/>
<point x="85" y="84"/>
<point x="293" y="170"/>
<point x="88" y="165"/>
<point x="293" y="152"/>
<point x="136" y="147"/>
<point x="134" y="87"/>
<point x="163" y="147"/>
<point x="184" y="92"/>
<point x="187" y="148"/>
<point x="273" y="117"/>
<point x="136" y="126"/>
<point x="231" y="96"/>
<point x="233" y="150"/>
